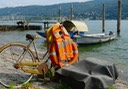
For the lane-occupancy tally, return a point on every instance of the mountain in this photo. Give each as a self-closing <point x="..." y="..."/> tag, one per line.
<point x="84" y="10"/>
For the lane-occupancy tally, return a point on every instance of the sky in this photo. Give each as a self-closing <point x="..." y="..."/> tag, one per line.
<point x="15" y="3"/>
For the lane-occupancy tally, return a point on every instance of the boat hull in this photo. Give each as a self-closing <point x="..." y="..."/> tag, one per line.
<point x="88" y="39"/>
<point x="94" y="39"/>
<point x="42" y="34"/>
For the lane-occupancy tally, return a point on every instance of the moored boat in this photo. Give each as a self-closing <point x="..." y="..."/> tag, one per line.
<point x="94" y="38"/>
<point x="80" y="37"/>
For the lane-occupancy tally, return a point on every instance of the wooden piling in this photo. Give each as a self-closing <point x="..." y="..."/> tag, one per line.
<point x="119" y="16"/>
<point x="103" y="19"/>
<point x="46" y="25"/>
<point x="59" y="20"/>
<point x="71" y="12"/>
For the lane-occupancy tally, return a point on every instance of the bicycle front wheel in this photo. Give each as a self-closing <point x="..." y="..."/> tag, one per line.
<point x="11" y="54"/>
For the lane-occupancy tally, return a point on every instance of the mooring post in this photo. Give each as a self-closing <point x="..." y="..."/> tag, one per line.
<point x="59" y="20"/>
<point x="44" y="25"/>
<point x="47" y="25"/>
<point x="71" y="12"/>
<point x="119" y="16"/>
<point x="103" y="19"/>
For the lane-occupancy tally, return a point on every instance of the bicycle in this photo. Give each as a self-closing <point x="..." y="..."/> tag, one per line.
<point x="18" y="63"/>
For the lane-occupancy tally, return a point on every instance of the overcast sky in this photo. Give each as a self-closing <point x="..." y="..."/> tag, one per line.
<point x="14" y="3"/>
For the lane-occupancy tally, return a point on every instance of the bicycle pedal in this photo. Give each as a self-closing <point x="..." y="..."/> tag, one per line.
<point x="43" y="68"/>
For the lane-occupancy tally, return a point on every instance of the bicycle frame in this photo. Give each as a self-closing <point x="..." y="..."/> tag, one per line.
<point x="42" y="67"/>
<point x="35" y="48"/>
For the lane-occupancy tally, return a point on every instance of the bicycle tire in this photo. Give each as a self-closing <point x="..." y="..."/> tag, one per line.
<point x="9" y="54"/>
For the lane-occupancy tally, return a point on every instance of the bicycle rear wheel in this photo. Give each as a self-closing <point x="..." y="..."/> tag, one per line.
<point x="9" y="55"/>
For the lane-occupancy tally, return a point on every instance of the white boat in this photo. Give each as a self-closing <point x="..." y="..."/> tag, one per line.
<point x="94" y="38"/>
<point x="80" y="28"/>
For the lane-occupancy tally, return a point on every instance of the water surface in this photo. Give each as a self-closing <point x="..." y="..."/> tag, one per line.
<point x="115" y="51"/>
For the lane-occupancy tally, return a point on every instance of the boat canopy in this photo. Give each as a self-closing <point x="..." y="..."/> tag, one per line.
<point x="72" y="26"/>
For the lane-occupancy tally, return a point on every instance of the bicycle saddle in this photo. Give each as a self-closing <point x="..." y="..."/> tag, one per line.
<point x="32" y="37"/>
<point x="29" y="37"/>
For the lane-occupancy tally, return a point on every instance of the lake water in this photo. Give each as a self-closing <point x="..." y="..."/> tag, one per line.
<point x="115" y="51"/>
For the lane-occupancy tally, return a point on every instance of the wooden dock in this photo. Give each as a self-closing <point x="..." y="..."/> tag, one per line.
<point x="19" y="28"/>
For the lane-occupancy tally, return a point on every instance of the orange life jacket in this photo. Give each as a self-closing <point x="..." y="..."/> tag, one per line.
<point x="68" y="43"/>
<point x="54" y="56"/>
<point x="62" y="48"/>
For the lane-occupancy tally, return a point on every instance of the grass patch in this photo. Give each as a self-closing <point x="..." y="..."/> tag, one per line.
<point x="30" y="84"/>
<point x="63" y="85"/>
<point x="112" y="87"/>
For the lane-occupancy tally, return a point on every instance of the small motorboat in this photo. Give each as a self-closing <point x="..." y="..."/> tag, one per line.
<point x="94" y="38"/>
<point x="80" y="28"/>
